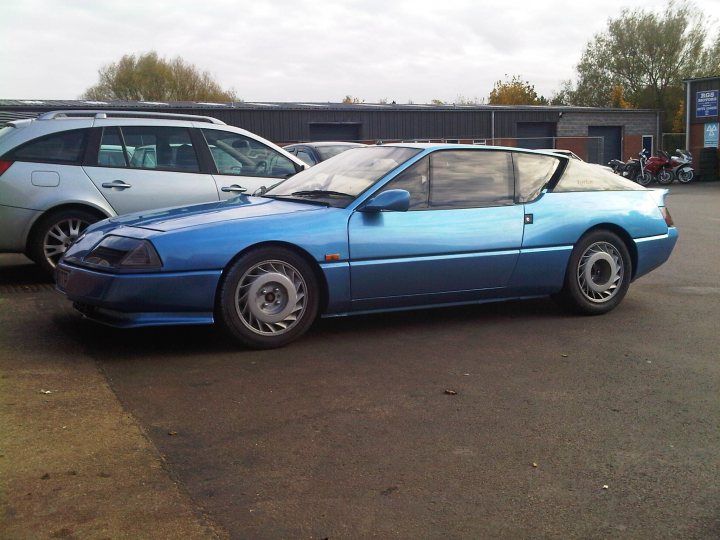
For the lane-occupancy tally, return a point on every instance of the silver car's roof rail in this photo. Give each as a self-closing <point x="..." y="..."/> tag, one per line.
<point x="127" y="114"/>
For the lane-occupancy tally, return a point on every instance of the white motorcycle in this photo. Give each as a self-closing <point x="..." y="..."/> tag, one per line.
<point x="682" y="169"/>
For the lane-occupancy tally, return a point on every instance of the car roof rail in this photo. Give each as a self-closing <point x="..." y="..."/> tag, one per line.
<point x="127" y="114"/>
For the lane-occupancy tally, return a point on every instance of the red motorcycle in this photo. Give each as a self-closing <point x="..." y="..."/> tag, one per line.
<point x="659" y="168"/>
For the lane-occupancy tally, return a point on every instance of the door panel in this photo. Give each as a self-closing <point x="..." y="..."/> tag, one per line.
<point x="151" y="188"/>
<point x="405" y="258"/>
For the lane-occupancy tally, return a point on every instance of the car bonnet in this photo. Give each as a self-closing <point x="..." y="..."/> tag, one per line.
<point x="170" y="219"/>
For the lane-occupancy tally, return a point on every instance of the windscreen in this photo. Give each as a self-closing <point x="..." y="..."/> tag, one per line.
<point x="345" y="176"/>
<point x="326" y="152"/>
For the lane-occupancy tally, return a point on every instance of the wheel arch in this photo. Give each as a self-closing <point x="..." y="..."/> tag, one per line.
<point x="319" y="276"/>
<point x="61" y="208"/>
<point x="624" y="236"/>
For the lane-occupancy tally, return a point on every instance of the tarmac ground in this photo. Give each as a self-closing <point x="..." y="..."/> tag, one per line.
<point x="512" y="420"/>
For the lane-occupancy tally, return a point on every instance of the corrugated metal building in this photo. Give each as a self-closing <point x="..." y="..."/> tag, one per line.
<point x="596" y="135"/>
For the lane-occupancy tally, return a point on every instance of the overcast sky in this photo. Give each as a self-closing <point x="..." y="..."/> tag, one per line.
<point x="303" y="50"/>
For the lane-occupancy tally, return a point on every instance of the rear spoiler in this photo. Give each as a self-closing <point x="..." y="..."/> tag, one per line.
<point x="659" y="195"/>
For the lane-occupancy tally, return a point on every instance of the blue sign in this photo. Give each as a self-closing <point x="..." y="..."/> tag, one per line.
<point x="711" y="134"/>
<point x="706" y="104"/>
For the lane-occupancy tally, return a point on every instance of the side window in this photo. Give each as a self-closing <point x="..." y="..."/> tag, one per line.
<point x="242" y="156"/>
<point x="62" y="147"/>
<point x="306" y="157"/>
<point x="415" y="180"/>
<point x="532" y="173"/>
<point x="470" y="179"/>
<point x="159" y="147"/>
<point x="111" y="153"/>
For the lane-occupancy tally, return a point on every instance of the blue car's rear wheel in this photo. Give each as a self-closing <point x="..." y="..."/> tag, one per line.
<point x="268" y="298"/>
<point x="598" y="274"/>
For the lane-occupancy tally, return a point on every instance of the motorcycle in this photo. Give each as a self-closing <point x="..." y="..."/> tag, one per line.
<point x="682" y="165"/>
<point x="660" y="168"/>
<point x="629" y="169"/>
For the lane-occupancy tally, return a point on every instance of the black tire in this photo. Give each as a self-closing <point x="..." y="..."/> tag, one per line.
<point x="644" y="178"/>
<point x="268" y="298"/>
<point x="54" y="233"/>
<point x="665" y="177"/>
<point x="685" y="175"/>
<point x="598" y="274"/>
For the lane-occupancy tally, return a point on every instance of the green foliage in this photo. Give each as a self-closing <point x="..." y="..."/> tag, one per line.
<point x="515" y="91"/>
<point x="463" y="100"/>
<point x="647" y="55"/>
<point x="148" y="77"/>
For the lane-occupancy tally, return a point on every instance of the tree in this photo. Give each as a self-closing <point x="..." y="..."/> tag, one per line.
<point x="617" y="98"/>
<point x="351" y="99"/>
<point x="148" y="77"/>
<point x="515" y="91"/>
<point x="646" y="54"/>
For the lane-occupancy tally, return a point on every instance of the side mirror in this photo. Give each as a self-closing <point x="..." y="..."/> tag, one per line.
<point x="394" y="200"/>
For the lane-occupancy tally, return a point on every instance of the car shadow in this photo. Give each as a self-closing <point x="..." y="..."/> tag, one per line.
<point x="174" y="342"/>
<point x="19" y="271"/>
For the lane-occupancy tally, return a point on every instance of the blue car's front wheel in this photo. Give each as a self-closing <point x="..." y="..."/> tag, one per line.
<point x="268" y="298"/>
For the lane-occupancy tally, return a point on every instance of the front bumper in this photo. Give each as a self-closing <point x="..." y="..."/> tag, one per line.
<point x="133" y="300"/>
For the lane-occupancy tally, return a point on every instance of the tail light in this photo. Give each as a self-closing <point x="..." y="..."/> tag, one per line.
<point x="666" y="215"/>
<point x="4" y="165"/>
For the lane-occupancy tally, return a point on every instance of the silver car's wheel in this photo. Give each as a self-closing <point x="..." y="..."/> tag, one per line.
<point x="598" y="273"/>
<point x="60" y="237"/>
<point x="55" y="233"/>
<point x="268" y="298"/>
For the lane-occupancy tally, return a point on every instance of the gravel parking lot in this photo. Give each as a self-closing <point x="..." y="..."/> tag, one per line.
<point x="511" y="420"/>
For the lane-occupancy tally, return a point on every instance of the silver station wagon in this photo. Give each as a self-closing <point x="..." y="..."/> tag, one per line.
<point x="64" y="170"/>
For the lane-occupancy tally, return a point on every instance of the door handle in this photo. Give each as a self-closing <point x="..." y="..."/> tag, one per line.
<point x="233" y="189"/>
<point x="116" y="184"/>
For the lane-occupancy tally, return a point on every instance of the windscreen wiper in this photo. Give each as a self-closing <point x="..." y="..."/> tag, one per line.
<point x="321" y="193"/>
<point x="297" y="198"/>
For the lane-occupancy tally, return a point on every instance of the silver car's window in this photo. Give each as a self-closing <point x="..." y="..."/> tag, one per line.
<point x="61" y="147"/>
<point x="533" y="172"/>
<point x="148" y="147"/>
<point x="236" y="154"/>
<point x="471" y="179"/>
<point x="111" y="152"/>
<point x="581" y="176"/>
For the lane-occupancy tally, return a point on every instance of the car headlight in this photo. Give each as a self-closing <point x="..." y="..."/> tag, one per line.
<point x="124" y="253"/>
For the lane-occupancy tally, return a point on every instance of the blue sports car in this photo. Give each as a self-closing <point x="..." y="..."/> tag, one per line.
<point x="379" y="228"/>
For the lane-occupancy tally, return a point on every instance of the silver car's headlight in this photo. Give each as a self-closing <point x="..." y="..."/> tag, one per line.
<point x="124" y="253"/>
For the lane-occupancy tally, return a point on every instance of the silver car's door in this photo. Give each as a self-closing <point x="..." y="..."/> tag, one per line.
<point x="245" y="164"/>
<point x="142" y="167"/>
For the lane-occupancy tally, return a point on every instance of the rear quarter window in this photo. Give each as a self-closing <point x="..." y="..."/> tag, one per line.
<point x="533" y="172"/>
<point x="61" y="147"/>
<point x="580" y="176"/>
